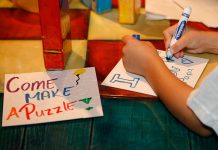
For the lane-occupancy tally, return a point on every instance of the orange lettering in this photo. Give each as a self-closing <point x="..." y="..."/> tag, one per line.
<point x="28" y="110"/>
<point x="12" y="113"/>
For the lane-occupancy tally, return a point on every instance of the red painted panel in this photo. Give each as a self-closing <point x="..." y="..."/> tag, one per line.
<point x="54" y="61"/>
<point x="79" y="23"/>
<point x="103" y="55"/>
<point x="19" y="24"/>
<point x="49" y="11"/>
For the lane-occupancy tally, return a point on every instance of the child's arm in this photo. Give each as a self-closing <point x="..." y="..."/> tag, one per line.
<point x="142" y="58"/>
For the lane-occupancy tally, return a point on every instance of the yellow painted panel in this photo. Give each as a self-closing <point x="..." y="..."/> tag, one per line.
<point x="22" y="56"/>
<point x="76" y="4"/>
<point x="78" y="55"/>
<point x="107" y="27"/>
<point x="19" y="57"/>
<point x="6" y="4"/>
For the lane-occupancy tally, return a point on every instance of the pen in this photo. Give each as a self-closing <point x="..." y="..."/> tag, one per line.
<point x="136" y="36"/>
<point x="179" y="30"/>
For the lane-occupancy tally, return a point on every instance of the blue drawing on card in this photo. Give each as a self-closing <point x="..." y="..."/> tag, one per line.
<point x="186" y="61"/>
<point x="132" y="83"/>
<point x="188" y="75"/>
<point x="184" y="78"/>
<point x="189" y="72"/>
<point x="174" y="70"/>
<point x="165" y="59"/>
<point x="169" y="59"/>
<point x="183" y="60"/>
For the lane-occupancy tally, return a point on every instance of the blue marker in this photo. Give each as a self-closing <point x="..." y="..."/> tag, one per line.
<point x="136" y="36"/>
<point x="179" y="31"/>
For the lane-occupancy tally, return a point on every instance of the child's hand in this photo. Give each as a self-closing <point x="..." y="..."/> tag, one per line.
<point x="193" y="41"/>
<point x="137" y="55"/>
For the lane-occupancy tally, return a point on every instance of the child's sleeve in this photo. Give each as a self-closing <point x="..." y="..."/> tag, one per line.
<point x="204" y="101"/>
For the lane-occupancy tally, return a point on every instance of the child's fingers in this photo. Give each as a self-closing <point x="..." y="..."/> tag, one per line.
<point x="177" y="55"/>
<point x="168" y="34"/>
<point x="180" y="44"/>
<point x="127" y="38"/>
<point x="167" y="39"/>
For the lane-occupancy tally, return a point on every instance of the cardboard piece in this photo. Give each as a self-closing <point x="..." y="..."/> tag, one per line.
<point x="40" y="97"/>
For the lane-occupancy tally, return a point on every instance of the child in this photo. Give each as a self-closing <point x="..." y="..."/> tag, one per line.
<point x="196" y="108"/>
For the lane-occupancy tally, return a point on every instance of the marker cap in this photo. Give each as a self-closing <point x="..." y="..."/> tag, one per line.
<point x="187" y="10"/>
<point x="136" y="36"/>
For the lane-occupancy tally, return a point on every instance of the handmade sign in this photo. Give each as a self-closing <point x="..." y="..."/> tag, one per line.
<point x="188" y="69"/>
<point x="39" y="97"/>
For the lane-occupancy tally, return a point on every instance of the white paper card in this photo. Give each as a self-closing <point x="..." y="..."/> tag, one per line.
<point x="188" y="69"/>
<point x="157" y="10"/>
<point x="39" y="97"/>
<point x="204" y="11"/>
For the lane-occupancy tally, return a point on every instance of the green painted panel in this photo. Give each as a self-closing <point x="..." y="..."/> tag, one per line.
<point x="126" y="125"/>
<point x="66" y="135"/>
<point x="138" y="125"/>
<point x="203" y="143"/>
